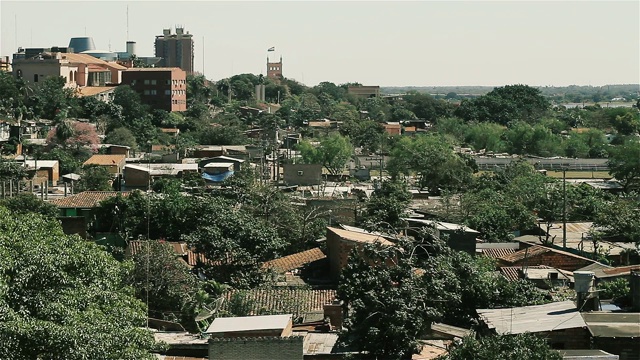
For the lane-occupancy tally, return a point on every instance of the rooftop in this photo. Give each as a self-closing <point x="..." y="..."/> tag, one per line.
<point x="537" y="318"/>
<point x="86" y="199"/>
<point x="162" y="169"/>
<point x="297" y="302"/>
<point x="249" y="323"/>
<point x="100" y="159"/>
<point x="359" y="237"/>
<point x="295" y="261"/>
<point x="604" y="273"/>
<point x="609" y="325"/>
<point x="319" y="343"/>
<point x="538" y="250"/>
<point x="154" y="69"/>
<point x="442" y="226"/>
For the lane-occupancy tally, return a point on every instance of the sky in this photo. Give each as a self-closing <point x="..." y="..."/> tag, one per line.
<point x="413" y="43"/>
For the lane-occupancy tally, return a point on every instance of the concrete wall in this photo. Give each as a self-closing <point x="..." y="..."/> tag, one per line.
<point x="135" y="178"/>
<point x="302" y="174"/>
<point x="258" y="348"/>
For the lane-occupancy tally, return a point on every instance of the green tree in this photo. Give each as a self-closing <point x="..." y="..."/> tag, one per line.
<point x="624" y="164"/>
<point x="333" y="153"/>
<point x="121" y="136"/>
<point x="11" y="170"/>
<point x="387" y="206"/>
<point x="63" y="297"/>
<point x="94" y="178"/>
<point x="26" y="203"/>
<point x="51" y="98"/>
<point x="503" y="347"/>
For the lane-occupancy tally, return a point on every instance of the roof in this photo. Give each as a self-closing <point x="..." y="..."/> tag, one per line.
<point x="359" y="237"/>
<point x="88" y="59"/>
<point x="594" y="267"/>
<point x="297" y="302"/>
<point x="578" y="238"/>
<point x="538" y="250"/>
<point x="249" y="323"/>
<point x="41" y="163"/>
<point x="169" y="130"/>
<point x="321" y="123"/>
<point x="136" y="246"/>
<point x="162" y="169"/>
<point x="93" y="90"/>
<point x="319" y="343"/>
<point x="512" y="273"/>
<point x="450" y="330"/>
<point x="295" y="261"/>
<point x="100" y="159"/>
<point x="608" y="325"/>
<point x="443" y="226"/>
<point x="587" y="354"/>
<point x="219" y="165"/>
<point x="604" y="273"/>
<point x="536" y="318"/>
<point x="179" y="338"/>
<point x="154" y="69"/>
<point x="229" y="159"/>
<point x="86" y="199"/>
<point x="495" y="253"/>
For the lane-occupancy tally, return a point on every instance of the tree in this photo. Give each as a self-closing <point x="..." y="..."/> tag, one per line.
<point x="624" y="165"/>
<point x="386" y="207"/>
<point x="333" y="153"/>
<point x="503" y="347"/>
<point x="12" y="170"/>
<point x="167" y="283"/>
<point x="51" y="98"/>
<point x="26" y="203"/>
<point x="121" y="136"/>
<point x="63" y="297"/>
<point x="74" y="134"/>
<point x="94" y="178"/>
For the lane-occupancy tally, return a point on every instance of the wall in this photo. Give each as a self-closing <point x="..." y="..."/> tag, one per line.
<point x="626" y="348"/>
<point x="556" y="260"/>
<point x="260" y="348"/>
<point x="302" y="174"/>
<point x="568" y="339"/>
<point x="135" y="178"/>
<point x="171" y="80"/>
<point x="338" y="253"/>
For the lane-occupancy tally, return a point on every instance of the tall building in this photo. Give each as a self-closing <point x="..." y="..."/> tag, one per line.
<point x="274" y="69"/>
<point x="176" y="50"/>
<point x="160" y="88"/>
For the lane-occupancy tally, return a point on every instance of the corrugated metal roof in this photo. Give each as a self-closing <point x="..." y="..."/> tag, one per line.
<point x="359" y="237"/>
<point x="86" y="199"/>
<point x="608" y="325"/>
<point x="496" y="253"/>
<point x="537" y="318"/>
<point x="295" y="261"/>
<point x="249" y="323"/>
<point x="512" y="273"/>
<point x="535" y="251"/>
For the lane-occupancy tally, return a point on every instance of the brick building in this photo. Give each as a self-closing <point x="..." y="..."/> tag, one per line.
<point x="274" y="69"/>
<point x="541" y="255"/>
<point x="161" y="88"/>
<point x="341" y="242"/>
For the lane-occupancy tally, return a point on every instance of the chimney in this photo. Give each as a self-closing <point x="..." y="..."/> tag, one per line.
<point x="634" y="283"/>
<point x="333" y="311"/>
<point x="587" y="295"/>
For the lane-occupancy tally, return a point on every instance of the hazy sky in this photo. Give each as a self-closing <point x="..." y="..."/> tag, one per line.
<point x="375" y="43"/>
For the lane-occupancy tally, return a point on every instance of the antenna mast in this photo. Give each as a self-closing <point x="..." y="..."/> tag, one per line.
<point x="127" y="22"/>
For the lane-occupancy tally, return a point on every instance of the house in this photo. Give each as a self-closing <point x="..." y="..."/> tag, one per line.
<point x="604" y="274"/>
<point x="143" y="175"/>
<point x="458" y="237"/>
<point x="340" y="244"/>
<point x="170" y="131"/>
<point x="76" y="211"/>
<point x="47" y="170"/>
<point x="302" y="174"/>
<point x="559" y="322"/>
<point x="181" y="250"/>
<point x="300" y="303"/>
<point x="542" y="255"/>
<point x="162" y="88"/>
<point x="113" y="163"/>
<point x="496" y="250"/>
<point x="616" y="333"/>
<point x="295" y="261"/>
<point x="587" y="354"/>
<point x="217" y="172"/>
<point x="113" y="149"/>
<point x="543" y="277"/>
<point x="210" y="151"/>
<point x="364" y="91"/>
<point x="182" y="345"/>
<point x="102" y="93"/>
<point x="392" y="128"/>
<point x="237" y="163"/>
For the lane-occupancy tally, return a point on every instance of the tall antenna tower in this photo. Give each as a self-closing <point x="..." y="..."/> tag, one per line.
<point x="127" y="22"/>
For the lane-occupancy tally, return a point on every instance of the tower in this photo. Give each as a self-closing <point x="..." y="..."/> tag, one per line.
<point x="274" y="69"/>
<point x="176" y="50"/>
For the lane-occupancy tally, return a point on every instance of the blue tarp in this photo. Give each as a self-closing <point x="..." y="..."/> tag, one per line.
<point x="217" y="177"/>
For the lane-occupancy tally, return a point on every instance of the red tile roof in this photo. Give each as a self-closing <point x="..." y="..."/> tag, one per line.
<point x="86" y="199"/>
<point x="277" y="301"/>
<point x="295" y="261"/>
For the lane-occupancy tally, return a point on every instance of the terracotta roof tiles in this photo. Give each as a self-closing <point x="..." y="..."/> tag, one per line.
<point x="86" y="199"/>
<point x="295" y="261"/>
<point x="100" y="159"/>
<point x="281" y="301"/>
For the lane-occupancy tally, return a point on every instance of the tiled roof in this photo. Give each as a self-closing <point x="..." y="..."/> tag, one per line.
<point x="100" y="159"/>
<point x="512" y="273"/>
<point x="86" y="199"/>
<point x="295" y="261"/>
<point x="497" y="253"/>
<point x="359" y="237"/>
<point x="281" y="301"/>
<point x="93" y="90"/>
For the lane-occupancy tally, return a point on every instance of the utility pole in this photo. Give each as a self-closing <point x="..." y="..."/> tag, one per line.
<point x="564" y="207"/>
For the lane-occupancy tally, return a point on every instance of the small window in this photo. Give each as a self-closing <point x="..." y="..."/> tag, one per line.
<point x="35" y="77"/>
<point x="146" y="82"/>
<point x="133" y="82"/>
<point x="153" y="82"/>
<point x="146" y="92"/>
<point x="19" y="74"/>
<point x="153" y="92"/>
<point x="167" y="82"/>
<point x="167" y="92"/>
<point x="300" y="172"/>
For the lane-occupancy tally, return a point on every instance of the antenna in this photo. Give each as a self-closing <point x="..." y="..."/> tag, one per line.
<point x="15" y="18"/>
<point x="127" y="22"/>
<point x="203" y="56"/>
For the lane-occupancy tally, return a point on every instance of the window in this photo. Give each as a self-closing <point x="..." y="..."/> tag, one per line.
<point x="133" y="82"/>
<point x="153" y="92"/>
<point x="146" y="82"/>
<point x="35" y="77"/>
<point x="167" y="82"/>
<point x="153" y="82"/>
<point x="71" y="76"/>
<point x="19" y="74"/>
<point x="167" y="92"/>
<point x="146" y="92"/>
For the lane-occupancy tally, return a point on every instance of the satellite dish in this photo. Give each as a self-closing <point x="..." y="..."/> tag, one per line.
<point x="207" y="313"/>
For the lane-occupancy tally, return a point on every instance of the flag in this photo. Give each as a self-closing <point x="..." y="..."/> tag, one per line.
<point x="273" y="48"/>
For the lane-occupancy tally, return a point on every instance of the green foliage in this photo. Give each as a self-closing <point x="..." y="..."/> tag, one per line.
<point x="94" y="178"/>
<point x="624" y="165"/>
<point x="620" y="218"/>
<point x="121" y="136"/>
<point x="69" y="160"/>
<point x="52" y="99"/>
<point x="333" y="153"/>
<point x="434" y="161"/>
<point x="503" y="347"/>
<point x="386" y="207"/>
<point x="26" y="203"/>
<point x="618" y="290"/>
<point x="366" y="134"/>
<point x="64" y="298"/>
<point x="12" y="170"/>
<point x="424" y="106"/>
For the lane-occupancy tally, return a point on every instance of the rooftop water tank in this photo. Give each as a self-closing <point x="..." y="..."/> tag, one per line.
<point x="81" y="44"/>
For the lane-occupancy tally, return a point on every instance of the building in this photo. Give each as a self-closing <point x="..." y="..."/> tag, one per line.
<point x="616" y="333"/>
<point x="78" y="70"/>
<point x="76" y="211"/>
<point x="237" y="163"/>
<point x="274" y="69"/>
<point x="142" y="175"/>
<point x="176" y="50"/>
<point x="251" y="326"/>
<point x="302" y="174"/>
<point x="542" y="255"/>
<point x="5" y="64"/>
<point x="161" y="88"/>
<point x="364" y="91"/>
<point x="458" y="237"/>
<point x="340" y="244"/>
<point x="113" y="163"/>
